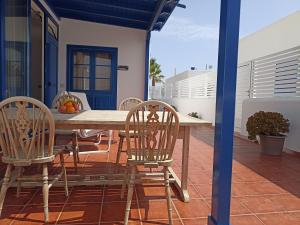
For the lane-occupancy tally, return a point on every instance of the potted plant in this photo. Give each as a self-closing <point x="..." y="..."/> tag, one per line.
<point x="271" y="127"/>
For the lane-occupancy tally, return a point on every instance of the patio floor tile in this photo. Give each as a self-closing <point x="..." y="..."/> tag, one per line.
<point x="34" y="214"/>
<point x="265" y="191"/>
<point x="155" y="210"/>
<point x="280" y="218"/>
<point x="192" y="209"/>
<point x="115" y="211"/>
<point x="245" y="220"/>
<point x="80" y="213"/>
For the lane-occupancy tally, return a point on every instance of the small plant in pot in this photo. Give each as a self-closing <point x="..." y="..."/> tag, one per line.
<point x="271" y="127"/>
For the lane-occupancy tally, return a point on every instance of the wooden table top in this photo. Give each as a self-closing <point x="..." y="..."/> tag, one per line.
<point x="116" y="118"/>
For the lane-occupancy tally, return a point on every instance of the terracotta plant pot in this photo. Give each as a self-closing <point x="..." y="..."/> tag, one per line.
<point x="271" y="145"/>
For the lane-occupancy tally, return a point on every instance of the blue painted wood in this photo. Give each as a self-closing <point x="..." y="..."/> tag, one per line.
<point x="51" y="69"/>
<point x="225" y="109"/>
<point x="97" y="99"/>
<point x="130" y="13"/>
<point x="2" y="51"/>
<point x="147" y="62"/>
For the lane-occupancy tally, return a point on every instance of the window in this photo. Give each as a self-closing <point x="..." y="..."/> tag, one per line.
<point x="91" y="69"/>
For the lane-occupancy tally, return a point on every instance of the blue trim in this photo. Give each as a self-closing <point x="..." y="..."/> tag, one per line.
<point x="109" y="96"/>
<point x="46" y="12"/>
<point x="159" y="7"/>
<point x="147" y="61"/>
<point x="2" y="51"/>
<point x="225" y="109"/>
<point x="29" y="60"/>
<point x="146" y="15"/>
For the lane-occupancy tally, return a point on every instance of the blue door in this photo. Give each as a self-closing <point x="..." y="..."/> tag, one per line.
<point x="93" y="70"/>
<point x="51" y="63"/>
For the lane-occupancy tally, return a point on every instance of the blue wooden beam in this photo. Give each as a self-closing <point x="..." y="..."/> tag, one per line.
<point x="159" y="7"/>
<point x="147" y="62"/>
<point x="134" y="6"/>
<point x="225" y="109"/>
<point x="2" y="51"/>
<point x="96" y="8"/>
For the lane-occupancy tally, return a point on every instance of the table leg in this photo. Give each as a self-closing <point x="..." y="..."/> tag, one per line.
<point x="185" y="165"/>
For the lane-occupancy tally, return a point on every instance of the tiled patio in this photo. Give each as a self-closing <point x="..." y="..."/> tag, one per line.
<point x="266" y="190"/>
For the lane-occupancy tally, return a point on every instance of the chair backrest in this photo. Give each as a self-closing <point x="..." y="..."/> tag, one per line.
<point x="26" y="130"/>
<point x="83" y="99"/>
<point x="155" y="126"/>
<point x="64" y="97"/>
<point x="128" y="103"/>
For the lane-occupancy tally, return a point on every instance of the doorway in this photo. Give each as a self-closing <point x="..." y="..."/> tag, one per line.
<point x="93" y="70"/>
<point x="37" y="52"/>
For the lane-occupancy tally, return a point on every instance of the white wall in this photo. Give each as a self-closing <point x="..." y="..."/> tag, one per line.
<point x="279" y="36"/>
<point x="131" y="44"/>
<point x="289" y="107"/>
<point x="205" y="107"/>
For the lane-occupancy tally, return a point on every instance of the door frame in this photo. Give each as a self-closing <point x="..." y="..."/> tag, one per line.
<point x="88" y="48"/>
<point x="47" y="15"/>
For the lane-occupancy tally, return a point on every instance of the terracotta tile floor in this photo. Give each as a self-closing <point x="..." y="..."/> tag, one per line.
<point x="265" y="191"/>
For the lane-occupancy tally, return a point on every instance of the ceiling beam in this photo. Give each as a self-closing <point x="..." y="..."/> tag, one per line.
<point x="108" y="5"/>
<point x="159" y="7"/>
<point x="66" y="12"/>
<point x="94" y="8"/>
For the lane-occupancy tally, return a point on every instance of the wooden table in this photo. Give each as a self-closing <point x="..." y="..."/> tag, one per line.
<point x="115" y="120"/>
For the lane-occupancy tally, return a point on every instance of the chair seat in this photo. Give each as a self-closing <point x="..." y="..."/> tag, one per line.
<point x="36" y="160"/>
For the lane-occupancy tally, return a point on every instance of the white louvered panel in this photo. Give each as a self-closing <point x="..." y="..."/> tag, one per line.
<point x="276" y="75"/>
<point x="169" y="90"/>
<point x="242" y="92"/>
<point x="184" y="88"/>
<point x="175" y="90"/>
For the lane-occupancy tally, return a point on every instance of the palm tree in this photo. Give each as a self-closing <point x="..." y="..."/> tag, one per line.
<point x="155" y="72"/>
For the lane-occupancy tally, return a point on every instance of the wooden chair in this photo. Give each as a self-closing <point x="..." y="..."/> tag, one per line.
<point x="125" y="105"/>
<point x="57" y="101"/>
<point x="155" y="126"/>
<point x="27" y="137"/>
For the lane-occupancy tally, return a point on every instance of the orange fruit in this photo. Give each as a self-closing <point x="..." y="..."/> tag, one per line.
<point x="69" y="104"/>
<point x="70" y="109"/>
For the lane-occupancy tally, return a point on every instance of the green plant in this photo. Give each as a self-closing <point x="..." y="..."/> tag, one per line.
<point x="155" y="72"/>
<point x="267" y="123"/>
<point x="195" y="115"/>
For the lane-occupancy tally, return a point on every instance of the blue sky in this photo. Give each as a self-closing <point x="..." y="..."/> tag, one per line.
<point x="190" y="37"/>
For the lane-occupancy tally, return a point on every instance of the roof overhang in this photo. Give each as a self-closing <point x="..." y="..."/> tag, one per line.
<point x="141" y="14"/>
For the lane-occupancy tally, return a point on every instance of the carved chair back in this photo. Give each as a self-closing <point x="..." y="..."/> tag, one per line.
<point x="26" y="131"/>
<point x="128" y="103"/>
<point x="155" y="126"/>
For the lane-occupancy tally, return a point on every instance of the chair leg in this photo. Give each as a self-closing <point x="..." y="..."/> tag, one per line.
<point x="75" y="149"/>
<point x="124" y="183"/>
<point x="45" y="192"/>
<point x="62" y="162"/>
<point x="20" y="173"/>
<point x="168" y="194"/>
<point x="130" y="194"/>
<point x="5" y="186"/>
<point x="120" y="149"/>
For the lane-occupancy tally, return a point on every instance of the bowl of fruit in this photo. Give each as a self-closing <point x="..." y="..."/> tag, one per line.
<point x="69" y="106"/>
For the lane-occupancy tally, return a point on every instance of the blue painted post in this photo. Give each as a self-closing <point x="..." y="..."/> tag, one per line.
<point x="2" y="51"/>
<point x="225" y="109"/>
<point x="147" y="61"/>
